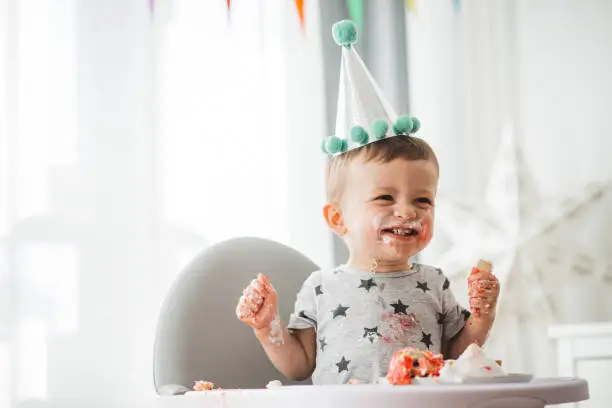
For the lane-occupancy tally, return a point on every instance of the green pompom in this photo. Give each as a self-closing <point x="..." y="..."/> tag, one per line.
<point x="359" y="135"/>
<point x="416" y="125"/>
<point x="403" y="125"/>
<point x="333" y="145"/>
<point x="344" y="145"/>
<point x="345" y="33"/>
<point x="380" y="128"/>
<point x="323" y="146"/>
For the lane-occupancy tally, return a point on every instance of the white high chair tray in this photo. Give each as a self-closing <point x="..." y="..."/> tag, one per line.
<point x="535" y="394"/>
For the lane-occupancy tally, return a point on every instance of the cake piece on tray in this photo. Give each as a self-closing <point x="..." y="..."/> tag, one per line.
<point x="410" y="363"/>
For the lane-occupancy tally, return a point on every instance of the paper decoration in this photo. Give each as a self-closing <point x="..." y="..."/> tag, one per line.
<point x="299" y="4"/>
<point x="300" y="9"/>
<point x="356" y="12"/>
<point x="528" y="242"/>
<point x="519" y="235"/>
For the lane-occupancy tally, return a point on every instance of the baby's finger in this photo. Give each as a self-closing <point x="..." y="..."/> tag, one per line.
<point x="484" y="286"/>
<point x="267" y="284"/>
<point x="483" y="305"/>
<point x="478" y="302"/>
<point x="482" y="276"/>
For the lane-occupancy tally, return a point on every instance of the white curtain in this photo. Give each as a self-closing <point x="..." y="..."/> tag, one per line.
<point x="534" y="73"/>
<point x="130" y="139"/>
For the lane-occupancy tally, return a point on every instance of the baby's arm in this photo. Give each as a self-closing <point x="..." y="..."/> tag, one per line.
<point x="476" y="330"/>
<point x="292" y="352"/>
<point x="483" y="291"/>
<point x="295" y="357"/>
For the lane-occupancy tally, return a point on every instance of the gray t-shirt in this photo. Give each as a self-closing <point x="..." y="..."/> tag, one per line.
<point x="361" y="318"/>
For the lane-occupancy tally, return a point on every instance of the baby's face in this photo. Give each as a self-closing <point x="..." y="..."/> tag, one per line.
<point x="388" y="210"/>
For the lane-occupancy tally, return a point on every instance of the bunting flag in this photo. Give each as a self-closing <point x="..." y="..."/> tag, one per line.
<point x="300" y="8"/>
<point x="457" y="5"/>
<point x="411" y="5"/>
<point x="151" y="6"/>
<point x="355" y="8"/>
<point x="299" y="4"/>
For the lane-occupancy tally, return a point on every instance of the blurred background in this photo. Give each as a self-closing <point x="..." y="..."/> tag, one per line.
<point x="135" y="133"/>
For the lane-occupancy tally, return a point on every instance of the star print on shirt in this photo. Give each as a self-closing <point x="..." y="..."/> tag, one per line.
<point x="441" y="318"/>
<point x="422" y="286"/>
<point x="318" y="290"/>
<point x="426" y="339"/>
<point x="446" y="284"/>
<point x="343" y="365"/>
<point x="323" y="343"/>
<point x="399" y="307"/>
<point x="439" y="271"/>
<point x="340" y="311"/>
<point x="302" y="314"/>
<point x="371" y="334"/>
<point x="367" y="284"/>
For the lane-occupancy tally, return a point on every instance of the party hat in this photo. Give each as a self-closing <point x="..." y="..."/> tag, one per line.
<point x="364" y="115"/>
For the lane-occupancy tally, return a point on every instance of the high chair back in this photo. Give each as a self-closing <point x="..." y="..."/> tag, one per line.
<point x="198" y="335"/>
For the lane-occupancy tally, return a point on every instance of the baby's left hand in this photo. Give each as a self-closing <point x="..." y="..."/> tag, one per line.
<point x="483" y="288"/>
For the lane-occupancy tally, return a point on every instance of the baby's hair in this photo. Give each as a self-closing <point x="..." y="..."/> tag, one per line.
<point x="383" y="151"/>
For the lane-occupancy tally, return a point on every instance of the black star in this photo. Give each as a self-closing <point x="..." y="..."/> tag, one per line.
<point x="371" y="334"/>
<point x="446" y="284"/>
<point x="318" y="290"/>
<point x="439" y="271"/>
<point x="422" y="286"/>
<point x="426" y="339"/>
<point x="323" y="343"/>
<point x="302" y="314"/>
<point x="441" y="318"/>
<point x="367" y="284"/>
<point x="399" y="307"/>
<point x="466" y="314"/>
<point x="343" y="364"/>
<point x="340" y="311"/>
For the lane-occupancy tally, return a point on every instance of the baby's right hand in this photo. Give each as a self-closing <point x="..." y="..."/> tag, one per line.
<point x="259" y="303"/>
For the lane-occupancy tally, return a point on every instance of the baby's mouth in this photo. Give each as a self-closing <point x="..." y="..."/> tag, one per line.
<point x="400" y="232"/>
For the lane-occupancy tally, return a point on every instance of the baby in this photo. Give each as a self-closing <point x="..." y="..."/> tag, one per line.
<point x="381" y="189"/>
<point x="348" y="321"/>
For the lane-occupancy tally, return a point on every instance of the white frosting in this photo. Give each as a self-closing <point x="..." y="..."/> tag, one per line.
<point x="274" y="384"/>
<point x="473" y="363"/>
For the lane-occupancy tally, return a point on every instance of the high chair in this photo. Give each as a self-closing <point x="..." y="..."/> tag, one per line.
<point x="198" y="335"/>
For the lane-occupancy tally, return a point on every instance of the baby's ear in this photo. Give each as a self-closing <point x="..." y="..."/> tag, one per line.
<point x="334" y="219"/>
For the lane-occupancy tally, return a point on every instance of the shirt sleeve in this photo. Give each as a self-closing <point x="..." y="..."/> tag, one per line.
<point x="304" y="314"/>
<point x="455" y="315"/>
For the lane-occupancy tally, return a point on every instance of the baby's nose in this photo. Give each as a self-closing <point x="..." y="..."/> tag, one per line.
<point x="405" y="212"/>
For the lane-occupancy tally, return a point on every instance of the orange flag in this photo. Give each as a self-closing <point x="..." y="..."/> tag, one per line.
<point x="300" y="8"/>
<point x="229" y="4"/>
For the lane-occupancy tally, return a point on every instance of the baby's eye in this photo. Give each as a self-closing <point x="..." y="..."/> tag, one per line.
<point x="424" y="200"/>
<point x="385" y="197"/>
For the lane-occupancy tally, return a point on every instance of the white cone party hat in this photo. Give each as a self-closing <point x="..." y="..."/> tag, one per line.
<point x="364" y="115"/>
